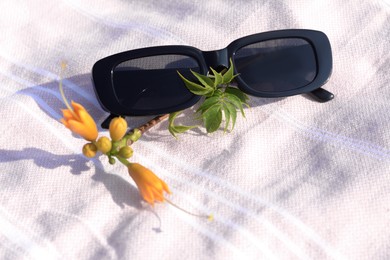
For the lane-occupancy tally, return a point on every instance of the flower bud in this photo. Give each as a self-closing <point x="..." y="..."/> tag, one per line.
<point x="104" y="144"/>
<point x="126" y="152"/>
<point x="89" y="150"/>
<point x="111" y="160"/>
<point x="118" y="128"/>
<point x="135" y="135"/>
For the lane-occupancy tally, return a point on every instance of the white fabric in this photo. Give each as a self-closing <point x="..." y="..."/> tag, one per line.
<point x="296" y="179"/>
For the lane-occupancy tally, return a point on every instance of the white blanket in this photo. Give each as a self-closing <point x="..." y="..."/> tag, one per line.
<point x="296" y="179"/>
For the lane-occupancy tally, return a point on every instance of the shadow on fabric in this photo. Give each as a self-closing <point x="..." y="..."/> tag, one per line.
<point x="122" y="192"/>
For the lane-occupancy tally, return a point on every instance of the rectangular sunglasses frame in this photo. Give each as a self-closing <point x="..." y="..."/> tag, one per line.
<point x="103" y="70"/>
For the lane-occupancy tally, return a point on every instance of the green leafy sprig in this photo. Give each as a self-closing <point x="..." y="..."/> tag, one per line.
<point x="222" y="101"/>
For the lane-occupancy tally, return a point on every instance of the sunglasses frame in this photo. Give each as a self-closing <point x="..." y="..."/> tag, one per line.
<point x="102" y="71"/>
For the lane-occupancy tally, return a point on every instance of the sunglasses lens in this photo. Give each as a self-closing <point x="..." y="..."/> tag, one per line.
<point x="277" y="65"/>
<point x="150" y="84"/>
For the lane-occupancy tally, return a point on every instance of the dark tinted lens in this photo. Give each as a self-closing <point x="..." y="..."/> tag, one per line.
<point x="152" y="83"/>
<point x="276" y="65"/>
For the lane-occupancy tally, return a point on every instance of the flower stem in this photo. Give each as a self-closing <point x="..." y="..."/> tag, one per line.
<point x="63" y="67"/>
<point x="122" y="160"/>
<point x="145" y="127"/>
<point x="209" y="217"/>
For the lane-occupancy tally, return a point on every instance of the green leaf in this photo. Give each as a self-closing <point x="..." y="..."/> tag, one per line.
<point x="228" y="76"/>
<point x="217" y="77"/>
<point x="196" y="88"/>
<point x="236" y="102"/>
<point x="218" y="93"/>
<point x="212" y="118"/>
<point x="176" y="129"/>
<point x="210" y="101"/>
<point x="226" y="113"/>
<point x="222" y="100"/>
<point x="182" y="128"/>
<point x="171" y="120"/>
<point x="206" y="81"/>
<point x="233" y="114"/>
<point x="172" y="117"/>
<point x="173" y="133"/>
<point x="238" y="93"/>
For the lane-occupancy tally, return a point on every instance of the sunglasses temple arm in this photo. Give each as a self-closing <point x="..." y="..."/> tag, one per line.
<point x="321" y="95"/>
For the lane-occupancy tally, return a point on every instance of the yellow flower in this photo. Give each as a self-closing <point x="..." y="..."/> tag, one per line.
<point x="118" y="128"/>
<point x="150" y="186"/>
<point x="79" y="121"/>
<point x="76" y="118"/>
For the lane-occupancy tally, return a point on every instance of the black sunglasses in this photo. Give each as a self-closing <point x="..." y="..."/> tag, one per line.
<point x="272" y="64"/>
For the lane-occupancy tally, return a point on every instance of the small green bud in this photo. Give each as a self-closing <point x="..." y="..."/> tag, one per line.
<point x="104" y="144"/>
<point x="89" y="150"/>
<point x="135" y="135"/>
<point x="111" y="160"/>
<point x="126" y="152"/>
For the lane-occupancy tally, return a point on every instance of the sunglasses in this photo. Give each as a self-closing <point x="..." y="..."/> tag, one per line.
<point x="271" y="64"/>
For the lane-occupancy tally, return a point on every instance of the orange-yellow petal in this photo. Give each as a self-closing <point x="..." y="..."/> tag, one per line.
<point x="77" y="127"/>
<point x="165" y="187"/>
<point x="89" y="124"/>
<point x="117" y="128"/>
<point x="67" y="114"/>
<point x="147" y="195"/>
<point x="66" y="124"/>
<point x="80" y="129"/>
<point x="150" y="186"/>
<point x="80" y="122"/>
<point x="158" y="195"/>
<point x="77" y="107"/>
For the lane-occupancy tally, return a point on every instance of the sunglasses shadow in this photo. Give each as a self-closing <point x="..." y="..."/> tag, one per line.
<point x="77" y="88"/>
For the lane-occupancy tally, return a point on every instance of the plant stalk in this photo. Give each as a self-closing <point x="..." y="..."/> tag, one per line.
<point x="145" y="127"/>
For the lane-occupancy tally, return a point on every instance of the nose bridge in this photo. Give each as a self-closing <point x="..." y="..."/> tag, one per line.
<point x="218" y="60"/>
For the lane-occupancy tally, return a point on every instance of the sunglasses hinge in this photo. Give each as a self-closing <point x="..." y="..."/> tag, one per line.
<point x="218" y="60"/>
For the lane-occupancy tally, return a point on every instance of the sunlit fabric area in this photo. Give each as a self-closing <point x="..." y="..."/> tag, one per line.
<point x="292" y="161"/>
